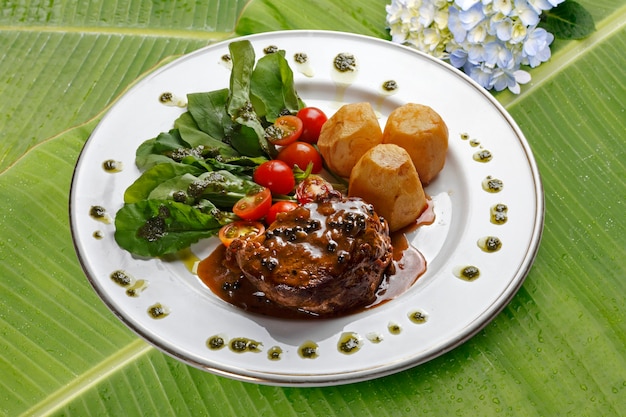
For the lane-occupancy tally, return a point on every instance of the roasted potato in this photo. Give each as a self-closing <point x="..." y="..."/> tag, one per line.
<point x="386" y="178"/>
<point x="423" y="133"/>
<point x="347" y="135"/>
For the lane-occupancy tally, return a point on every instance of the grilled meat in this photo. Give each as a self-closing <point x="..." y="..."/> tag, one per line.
<point x="323" y="258"/>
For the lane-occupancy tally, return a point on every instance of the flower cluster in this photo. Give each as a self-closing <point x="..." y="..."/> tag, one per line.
<point x="489" y="40"/>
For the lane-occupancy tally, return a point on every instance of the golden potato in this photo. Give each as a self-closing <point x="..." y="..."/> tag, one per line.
<point x="347" y="135"/>
<point x="423" y="133"/>
<point x="386" y="178"/>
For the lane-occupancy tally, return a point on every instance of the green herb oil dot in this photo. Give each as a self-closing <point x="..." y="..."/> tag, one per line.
<point x="308" y="350"/>
<point x="418" y="317"/>
<point x="394" y="328"/>
<point x="215" y="342"/>
<point x="274" y="353"/>
<point x="467" y="273"/>
<point x="349" y="343"/>
<point x="483" y="156"/>
<point x="492" y="185"/>
<point x="158" y="311"/>
<point x="499" y="214"/>
<point x="121" y="278"/>
<point x="489" y="244"/>
<point x="112" y="166"/>
<point x="242" y="344"/>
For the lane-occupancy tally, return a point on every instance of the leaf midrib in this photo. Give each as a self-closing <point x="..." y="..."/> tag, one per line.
<point x="121" y="31"/>
<point x="84" y="382"/>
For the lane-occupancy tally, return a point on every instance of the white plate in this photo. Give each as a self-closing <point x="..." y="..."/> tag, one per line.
<point x="455" y="309"/>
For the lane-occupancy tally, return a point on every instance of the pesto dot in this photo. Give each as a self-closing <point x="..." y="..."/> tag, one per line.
<point x="97" y="212"/>
<point x="492" y="185"/>
<point x="166" y="97"/>
<point x="215" y="342"/>
<point x="345" y="62"/>
<point x="308" y="350"/>
<point x="158" y="311"/>
<point x="112" y="166"/>
<point x="418" y="317"/>
<point x="274" y="353"/>
<point x="121" y="278"/>
<point x="349" y="343"/>
<point x="390" y="85"/>
<point x="490" y="244"/>
<point x="470" y="273"/>
<point x="300" y="57"/>
<point x="483" y="156"/>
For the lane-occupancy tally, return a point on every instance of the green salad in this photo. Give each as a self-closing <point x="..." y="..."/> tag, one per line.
<point x="195" y="173"/>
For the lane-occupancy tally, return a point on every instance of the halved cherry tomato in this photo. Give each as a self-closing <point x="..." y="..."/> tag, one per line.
<point x="279" y="207"/>
<point x="301" y="154"/>
<point x="285" y="130"/>
<point x="312" y="121"/>
<point x="314" y="187"/>
<point x="254" y="206"/>
<point x="240" y="228"/>
<point x="275" y="175"/>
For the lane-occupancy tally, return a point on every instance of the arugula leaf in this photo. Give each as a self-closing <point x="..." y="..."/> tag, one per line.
<point x="272" y="87"/>
<point x="159" y="227"/>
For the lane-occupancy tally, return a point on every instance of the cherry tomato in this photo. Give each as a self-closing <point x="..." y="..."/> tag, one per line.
<point x="285" y="130"/>
<point x="275" y="175"/>
<point x="279" y="207"/>
<point x="240" y="228"/>
<point x="314" y="187"/>
<point x="254" y="206"/>
<point x="301" y="154"/>
<point x="312" y="121"/>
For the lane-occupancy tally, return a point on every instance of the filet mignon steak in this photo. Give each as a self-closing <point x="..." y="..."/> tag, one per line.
<point x="323" y="258"/>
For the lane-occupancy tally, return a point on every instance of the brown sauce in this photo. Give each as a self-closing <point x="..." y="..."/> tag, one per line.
<point x="407" y="266"/>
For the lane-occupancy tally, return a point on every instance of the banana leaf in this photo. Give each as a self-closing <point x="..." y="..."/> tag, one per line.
<point x="557" y="349"/>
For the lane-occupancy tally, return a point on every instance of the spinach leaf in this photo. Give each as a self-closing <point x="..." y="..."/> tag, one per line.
<point x="272" y="87"/>
<point x="160" y="149"/>
<point x="154" y="176"/>
<point x="238" y="165"/>
<point x="159" y="227"/>
<point x="191" y="134"/>
<point x="249" y="139"/>
<point x="209" y="111"/>
<point x="222" y="188"/>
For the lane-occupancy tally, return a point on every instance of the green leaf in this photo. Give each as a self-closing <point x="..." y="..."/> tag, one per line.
<point x="272" y="87"/>
<point x="568" y="20"/>
<point x="209" y="112"/>
<point x="160" y="227"/>
<point x="150" y="179"/>
<point x="160" y="149"/>
<point x="249" y="137"/>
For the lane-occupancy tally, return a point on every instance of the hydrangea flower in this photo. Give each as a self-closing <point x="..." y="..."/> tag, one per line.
<point x="488" y="39"/>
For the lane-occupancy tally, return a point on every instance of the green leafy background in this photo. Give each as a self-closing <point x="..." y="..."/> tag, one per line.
<point x="558" y="349"/>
